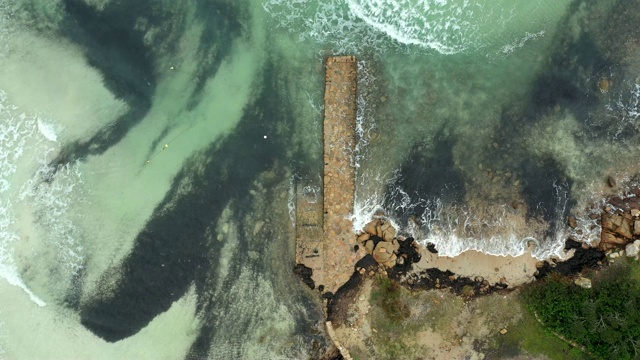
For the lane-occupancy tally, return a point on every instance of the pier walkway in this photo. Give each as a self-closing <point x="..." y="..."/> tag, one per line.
<point x="330" y="253"/>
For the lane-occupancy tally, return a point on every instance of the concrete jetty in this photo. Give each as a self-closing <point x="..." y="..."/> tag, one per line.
<point x="330" y="252"/>
<point x="309" y="230"/>
<point x="340" y="106"/>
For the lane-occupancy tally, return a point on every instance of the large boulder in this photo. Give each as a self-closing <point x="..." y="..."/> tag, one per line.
<point x="389" y="234"/>
<point x="391" y="262"/>
<point x="368" y="246"/>
<point x="370" y="228"/>
<point x="383" y="252"/>
<point x="364" y="237"/>
<point x="633" y="248"/>
<point x="617" y="224"/>
<point x="609" y="240"/>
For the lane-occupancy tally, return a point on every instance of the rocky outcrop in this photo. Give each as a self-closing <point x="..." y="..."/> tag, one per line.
<point x="620" y="221"/>
<point x="379" y="240"/>
<point x="305" y="273"/>
<point x="583" y="257"/>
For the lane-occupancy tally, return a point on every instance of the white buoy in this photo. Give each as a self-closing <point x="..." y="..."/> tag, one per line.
<point x="265" y="136"/>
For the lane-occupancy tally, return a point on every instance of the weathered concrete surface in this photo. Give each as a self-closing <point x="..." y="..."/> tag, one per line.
<point x="324" y="231"/>
<point x="309" y="231"/>
<point x="339" y="174"/>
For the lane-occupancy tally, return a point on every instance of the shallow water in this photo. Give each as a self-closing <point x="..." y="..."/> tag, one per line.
<point x="148" y="154"/>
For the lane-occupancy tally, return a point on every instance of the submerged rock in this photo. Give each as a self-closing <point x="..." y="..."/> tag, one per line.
<point x="604" y="85"/>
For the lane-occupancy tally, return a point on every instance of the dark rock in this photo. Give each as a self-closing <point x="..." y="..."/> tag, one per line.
<point x="432" y="248"/>
<point x="618" y="202"/>
<point x="437" y="279"/>
<point x="572" y="222"/>
<point x="611" y="181"/>
<point x="328" y="295"/>
<point x="571" y="244"/>
<point x="407" y="250"/>
<point x="609" y="240"/>
<point x="305" y="273"/>
<point x="581" y="259"/>
<point x="340" y="303"/>
<point x="367" y="263"/>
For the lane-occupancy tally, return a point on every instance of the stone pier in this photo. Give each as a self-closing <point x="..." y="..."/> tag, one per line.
<point x="340" y="107"/>
<point x="324" y="231"/>
<point x="309" y="231"/>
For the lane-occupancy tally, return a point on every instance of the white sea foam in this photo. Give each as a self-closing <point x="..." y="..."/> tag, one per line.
<point x="16" y="130"/>
<point x="446" y="26"/>
<point x="27" y="143"/>
<point x="291" y="200"/>
<point x="51" y="192"/>
<point x="436" y="24"/>
<point x="441" y="225"/>
<point x="516" y="44"/>
<point x="625" y="108"/>
<point x="47" y="130"/>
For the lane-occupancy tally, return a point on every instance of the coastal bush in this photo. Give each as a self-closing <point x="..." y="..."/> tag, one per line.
<point x="389" y="298"/>
<point x="603" y="319"/>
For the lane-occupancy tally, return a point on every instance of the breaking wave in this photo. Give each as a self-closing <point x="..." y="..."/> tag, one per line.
<point x="454" y="229"/>
<point x="446" y="26"/>
<point x="27" y="143"/>
<point x="16" y="130"/>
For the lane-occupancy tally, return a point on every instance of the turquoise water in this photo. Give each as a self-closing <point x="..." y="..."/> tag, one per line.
<point x="149" y="151"/>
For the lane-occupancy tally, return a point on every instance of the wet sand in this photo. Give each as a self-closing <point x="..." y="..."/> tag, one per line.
<point x="511" y="270"/>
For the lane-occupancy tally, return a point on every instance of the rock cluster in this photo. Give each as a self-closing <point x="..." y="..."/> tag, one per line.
<point x="620" y="223"/>
<point x="379" y="240"/>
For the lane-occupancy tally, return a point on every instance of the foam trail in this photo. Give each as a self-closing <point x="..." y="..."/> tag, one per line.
<point x="626" y="110"/>
<point x="429" y="24"/>
<point x="52" y="191"/>
<point x="15" y="132"/>
<point x="446" y="26"/>
<point x="510" y="48"/>
<point x="47" y="130"/>
<point x="450" y="228"/>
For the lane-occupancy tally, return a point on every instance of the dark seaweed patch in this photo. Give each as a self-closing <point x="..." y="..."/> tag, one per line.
<point x="222" y="24"/>
<point x="115" y="44"/>
<point x="428" y="175"/>
<point x="540" y="181"/>
<point x="174" y="249"/>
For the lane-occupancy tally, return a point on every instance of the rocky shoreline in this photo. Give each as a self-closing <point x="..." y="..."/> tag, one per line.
<point x="393" y="257"/>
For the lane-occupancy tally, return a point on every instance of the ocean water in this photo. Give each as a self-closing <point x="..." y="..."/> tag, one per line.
<point x="149" y="152"/>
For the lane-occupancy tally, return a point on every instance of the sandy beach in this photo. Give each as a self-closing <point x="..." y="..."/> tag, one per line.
<point x="511" y="270"/>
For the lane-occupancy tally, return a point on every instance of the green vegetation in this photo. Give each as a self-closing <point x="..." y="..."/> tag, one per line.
<point x="394" y="322"/>
<point x="604" y="319"/>
<point x="528" y="336"/>
<point x="389" y="297"/>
